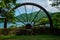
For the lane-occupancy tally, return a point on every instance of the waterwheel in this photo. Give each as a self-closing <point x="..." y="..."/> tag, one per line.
<point x="32" y="15"/>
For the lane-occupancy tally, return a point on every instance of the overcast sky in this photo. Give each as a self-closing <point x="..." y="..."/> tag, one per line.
<point x="43" y="3"/>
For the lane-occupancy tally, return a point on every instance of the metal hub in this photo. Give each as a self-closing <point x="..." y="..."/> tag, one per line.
<point x="28" y="26"/>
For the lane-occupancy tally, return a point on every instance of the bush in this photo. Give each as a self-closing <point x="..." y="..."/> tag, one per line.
<point x="12" y="30"/>
<point x="33" y="31"/>
<point x="1" y="32"/>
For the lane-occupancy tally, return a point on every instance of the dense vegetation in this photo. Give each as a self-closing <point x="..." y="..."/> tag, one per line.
<point x="56" y="19"/>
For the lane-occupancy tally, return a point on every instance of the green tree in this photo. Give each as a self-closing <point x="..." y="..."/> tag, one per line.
<point x="44" y="21"/>
<point x="55" y="3"/>
<point x="56" y="19"/>
<point x="5" y="7"/>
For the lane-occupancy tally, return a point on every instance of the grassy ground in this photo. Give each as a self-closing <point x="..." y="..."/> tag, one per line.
<point x="31" y="37"/>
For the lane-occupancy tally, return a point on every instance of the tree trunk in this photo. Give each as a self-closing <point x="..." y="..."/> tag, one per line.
<point x="5" y="30"/>
<point x="5" y="23"/>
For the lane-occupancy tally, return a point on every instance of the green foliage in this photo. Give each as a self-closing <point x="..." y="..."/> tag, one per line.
<point x="56" y="19"/>
<point x="1" y="20"/>
<point x="5" y="7"/>
<point x="12" y="27"/>
<point x="56" y="3"/>
<point x="44" y="21"/>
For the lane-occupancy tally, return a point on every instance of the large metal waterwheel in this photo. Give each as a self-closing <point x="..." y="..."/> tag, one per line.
<point x="30" y="14"/>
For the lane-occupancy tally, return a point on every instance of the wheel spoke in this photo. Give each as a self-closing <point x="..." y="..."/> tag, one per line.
<point x="22" y="16"/>
<point x="20" y="20"/>
<point x="35" y="16"/>
<point x="26" y="14"/>
<point x="31" y="13"/>
<point x="40" y="19"/>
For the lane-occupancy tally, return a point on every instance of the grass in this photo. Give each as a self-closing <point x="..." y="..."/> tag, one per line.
<point x="31" y="37"/>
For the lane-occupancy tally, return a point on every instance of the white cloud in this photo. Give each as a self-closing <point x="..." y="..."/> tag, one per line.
<point x="49" y="2"/>
<point x="43" y="3"/>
